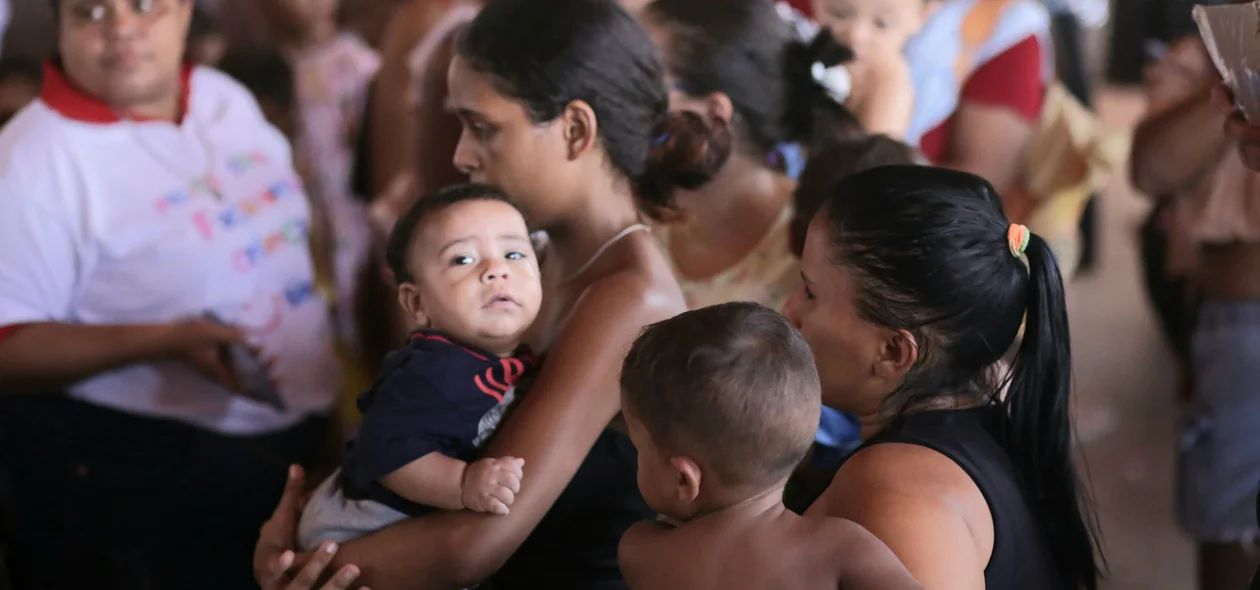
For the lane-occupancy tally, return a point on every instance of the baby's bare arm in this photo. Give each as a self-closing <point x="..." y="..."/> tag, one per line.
<point x="886" y="108"/>
<point x="433" y="480"/>
<point x="488" y="485"/>
<point x="863" y="561"/>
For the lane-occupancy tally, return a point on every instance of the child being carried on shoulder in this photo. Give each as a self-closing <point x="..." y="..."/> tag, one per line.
<point x="722" y="404"/>
<point x="877" y="31"/>
<point x="467" y="272"/>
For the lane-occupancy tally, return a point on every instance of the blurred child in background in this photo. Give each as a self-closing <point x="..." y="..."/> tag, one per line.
<point x="877" y="31"/>
<point x="332" y="69"/>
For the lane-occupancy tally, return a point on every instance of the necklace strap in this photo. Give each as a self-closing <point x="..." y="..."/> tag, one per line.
<point x="604" y="248"/>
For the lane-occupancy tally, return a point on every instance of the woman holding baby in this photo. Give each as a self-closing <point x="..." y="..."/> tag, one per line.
<point x="909" y="302"/>
<point x="566" y="116"/>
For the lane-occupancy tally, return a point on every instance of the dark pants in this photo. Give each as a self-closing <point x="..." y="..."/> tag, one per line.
<point x="102" y="499"/>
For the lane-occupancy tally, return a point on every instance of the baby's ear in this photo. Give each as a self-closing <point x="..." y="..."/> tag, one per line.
<point x="689" y="476"/>
<point x="412" y="302"/>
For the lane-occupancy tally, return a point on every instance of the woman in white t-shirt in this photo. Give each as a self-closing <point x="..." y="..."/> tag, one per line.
<point x="138" y="197"/>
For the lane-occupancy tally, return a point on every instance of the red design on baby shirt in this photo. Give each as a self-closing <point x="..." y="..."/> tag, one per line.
<point x="501" y="377"/>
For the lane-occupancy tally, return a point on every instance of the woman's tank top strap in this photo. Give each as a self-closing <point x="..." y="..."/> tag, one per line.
<point x="971" y="439"/>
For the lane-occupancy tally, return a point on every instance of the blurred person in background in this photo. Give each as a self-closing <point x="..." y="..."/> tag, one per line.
<point x="877" y="31"/>
<point x="267" y="75"/>
<point x="1213" y="222"/>
<point x="1169" y="260"/>
<point x="980" y="69"/>
<point x="1238" y="127"/>
<point x="739" y="65"/>
<point x="1248" y="137"/>
<point x="138" y="198"/>
<point x="332" y="69"/>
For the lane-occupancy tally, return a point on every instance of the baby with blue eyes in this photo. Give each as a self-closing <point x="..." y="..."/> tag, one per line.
<point x="468" y="277"/>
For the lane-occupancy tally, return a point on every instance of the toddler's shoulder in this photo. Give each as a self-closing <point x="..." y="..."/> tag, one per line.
<point x="822" y="538"/>
<point x="646" y="552"/>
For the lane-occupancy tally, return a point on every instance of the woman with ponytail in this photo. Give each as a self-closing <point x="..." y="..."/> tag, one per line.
<point x="750" y="73"/>
<point x="915" y="285"/>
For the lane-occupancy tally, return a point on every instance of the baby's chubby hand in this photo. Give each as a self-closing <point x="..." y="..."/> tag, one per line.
<point x="491" y="485"/>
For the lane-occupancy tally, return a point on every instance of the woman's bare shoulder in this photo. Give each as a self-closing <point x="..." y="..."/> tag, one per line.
<point x="642" y="286"/>
<point x="636" y="294"/>
<point x="898" y="477"/>
<point x="903" y="467"/>
<point x="922" y="505"/>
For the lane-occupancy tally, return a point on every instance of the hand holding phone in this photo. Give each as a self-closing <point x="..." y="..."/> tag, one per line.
<point x="241" y="369"/>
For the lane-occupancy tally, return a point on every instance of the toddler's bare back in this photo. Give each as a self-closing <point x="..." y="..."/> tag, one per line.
<point x="766" y="552"/>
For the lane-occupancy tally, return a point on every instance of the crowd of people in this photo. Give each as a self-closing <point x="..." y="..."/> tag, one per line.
<point x="581" y="294"/>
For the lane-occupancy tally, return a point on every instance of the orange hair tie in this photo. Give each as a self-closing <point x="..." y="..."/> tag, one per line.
<point x="1017" y="239"/>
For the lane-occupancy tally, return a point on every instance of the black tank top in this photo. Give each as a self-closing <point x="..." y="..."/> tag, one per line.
<point x="575" y="545"/>
<point x="1021" y="558"/>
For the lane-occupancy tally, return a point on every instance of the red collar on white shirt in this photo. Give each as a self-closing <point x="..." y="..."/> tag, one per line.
<point x="61" y="95"/>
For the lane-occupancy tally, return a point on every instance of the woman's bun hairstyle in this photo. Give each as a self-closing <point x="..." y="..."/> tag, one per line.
<point x="686" y="151"/>
<point x="813" y="116"/>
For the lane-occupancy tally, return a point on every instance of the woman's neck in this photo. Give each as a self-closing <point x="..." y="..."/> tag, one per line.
<point x="606" y="209"/>
<point x="741" y="188"/>
<point x="870" y="425"/>
<point x="728" y="218"/>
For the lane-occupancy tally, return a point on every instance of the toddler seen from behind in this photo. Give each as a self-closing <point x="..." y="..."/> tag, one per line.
<point x="468" y="275"/>
<point x="722" y="403"/>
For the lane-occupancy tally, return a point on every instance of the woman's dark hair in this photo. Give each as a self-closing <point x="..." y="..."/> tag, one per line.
<point x="745" y="50"/>
<point x="411" y="223"/>
<point x="928" y="250"/>
<point x="546" y="57"/>
<point x="831" y="164"/>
